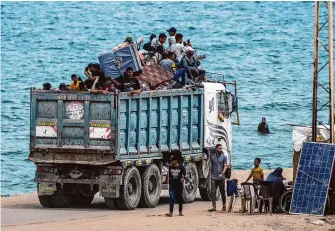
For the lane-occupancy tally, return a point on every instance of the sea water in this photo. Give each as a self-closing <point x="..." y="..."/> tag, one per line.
<point x="267" y="47"/>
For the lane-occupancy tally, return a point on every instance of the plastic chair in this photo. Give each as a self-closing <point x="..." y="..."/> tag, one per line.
<point x="250" y="194"/>
<point x="265" y="197"/>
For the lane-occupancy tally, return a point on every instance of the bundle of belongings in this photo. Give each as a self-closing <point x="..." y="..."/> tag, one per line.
<point x="115" y="62"/>
<point x="154" y="75"/>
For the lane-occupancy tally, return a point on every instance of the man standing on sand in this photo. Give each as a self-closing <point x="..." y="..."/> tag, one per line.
<point x="218" y="170"/>
<point x="176" y="179"/>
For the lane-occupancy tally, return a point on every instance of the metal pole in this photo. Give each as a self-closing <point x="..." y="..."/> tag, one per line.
<point x="331" y="96"/>
<point x="315" y="78"/>
<point x="331" y="70"/>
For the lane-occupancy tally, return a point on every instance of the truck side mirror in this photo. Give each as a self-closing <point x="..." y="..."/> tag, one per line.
<point x="234" y="104"/>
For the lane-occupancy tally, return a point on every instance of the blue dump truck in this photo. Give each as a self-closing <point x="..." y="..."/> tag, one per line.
<point x="120" y="145"/>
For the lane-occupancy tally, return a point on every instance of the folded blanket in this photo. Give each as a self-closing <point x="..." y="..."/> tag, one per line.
<point x="154" y="75"/>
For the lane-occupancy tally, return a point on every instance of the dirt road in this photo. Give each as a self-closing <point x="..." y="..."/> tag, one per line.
<point x="23" y="212"/>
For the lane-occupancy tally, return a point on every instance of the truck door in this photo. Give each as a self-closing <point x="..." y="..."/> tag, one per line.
<point x="223" y="124"/>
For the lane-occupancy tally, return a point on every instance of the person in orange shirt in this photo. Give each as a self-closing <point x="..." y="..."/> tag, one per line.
<point x="75" y="83"/>
<point x="256" y="173"/>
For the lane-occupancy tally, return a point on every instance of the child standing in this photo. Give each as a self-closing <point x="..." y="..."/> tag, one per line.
<point x="257" y="172"/>
<point x="176" y="178"/>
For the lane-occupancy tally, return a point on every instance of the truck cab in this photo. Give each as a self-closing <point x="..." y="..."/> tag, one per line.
<point x="120" y="145"/>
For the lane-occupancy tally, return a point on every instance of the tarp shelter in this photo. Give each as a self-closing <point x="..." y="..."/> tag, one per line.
<point x="301" y="134"/>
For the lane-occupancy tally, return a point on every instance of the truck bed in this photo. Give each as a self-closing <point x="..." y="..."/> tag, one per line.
<point x="86" y="128"/>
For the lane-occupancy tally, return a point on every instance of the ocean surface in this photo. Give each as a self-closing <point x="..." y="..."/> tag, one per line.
<point x="267" y="47"/>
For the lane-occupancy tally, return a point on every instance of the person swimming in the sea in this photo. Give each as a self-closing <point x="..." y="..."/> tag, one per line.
<point x="263" y="127"/>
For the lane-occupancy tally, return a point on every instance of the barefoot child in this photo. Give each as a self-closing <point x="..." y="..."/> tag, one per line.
<point x="257" y="172"/>
<point x="176" y="178"/>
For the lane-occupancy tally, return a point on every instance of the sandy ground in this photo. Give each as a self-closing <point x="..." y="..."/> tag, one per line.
<point x="23" y="212"/>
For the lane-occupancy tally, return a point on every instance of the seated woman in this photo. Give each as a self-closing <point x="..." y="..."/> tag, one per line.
<point x="277" y="186"/>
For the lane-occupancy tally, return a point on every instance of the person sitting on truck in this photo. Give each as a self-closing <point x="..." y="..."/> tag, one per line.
<point x="62" y="87"/>
<point x="88" y="71"/>
<point x="178" y="48"/>
<point x="177" y="174"/>
<point x="109" y="85"/>
<point x="46" y="86"/>
<point x="147" y="46"/>
<point x="172" y="39"/>
<point x="130" y="83"/>
<point x="82" y="86"/>
<point x="189" y="62"/>
<point x="89" y="74"/>
<point x="170" y="67"/>
<point x="98" y="89"/>
<point x="128" y="41"/>
<point x="98" y="76"/>
<point x="158" y="45"/>
<point x="75" y="83"/>
<point x="263" y="127"/>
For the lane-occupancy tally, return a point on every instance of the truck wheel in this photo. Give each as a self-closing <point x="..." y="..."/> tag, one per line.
<point x="206" y="168"/>
<point x="60" y="199"/>
<point x="80" y="200"/>
<point x="191" y="183"/>
<point x="205" y="193"/>
<point x="151" y="186"/>
<point x="45" y="201"/>
<point x="130" y="191"/>
<point x="111" y="203"/>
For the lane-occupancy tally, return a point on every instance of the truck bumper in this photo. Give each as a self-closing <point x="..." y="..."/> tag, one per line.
<point x="109" y="185"/>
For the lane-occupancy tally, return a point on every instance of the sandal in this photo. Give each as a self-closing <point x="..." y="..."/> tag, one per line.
<point x="169" y="214"/>
<point x="212" y="210"/>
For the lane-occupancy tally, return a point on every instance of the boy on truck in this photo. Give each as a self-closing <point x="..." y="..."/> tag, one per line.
<point x="176" y="178"/>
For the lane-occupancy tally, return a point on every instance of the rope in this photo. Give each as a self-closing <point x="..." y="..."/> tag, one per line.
<point x="325" y="184"/>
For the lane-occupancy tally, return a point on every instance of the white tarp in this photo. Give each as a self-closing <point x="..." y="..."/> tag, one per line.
<point x="301" y="134"/>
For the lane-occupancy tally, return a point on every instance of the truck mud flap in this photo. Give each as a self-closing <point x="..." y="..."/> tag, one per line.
<point x="46" y="188"/>
<point x="110" y="191"/>
<point x="109" y="185"/>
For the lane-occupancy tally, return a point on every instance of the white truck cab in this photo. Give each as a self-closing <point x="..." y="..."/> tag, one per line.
<point x="218" y="108"/>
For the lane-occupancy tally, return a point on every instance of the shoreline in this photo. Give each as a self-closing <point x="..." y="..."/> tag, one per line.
<point x="239" y="174"/>
<point x="23" y="212"/>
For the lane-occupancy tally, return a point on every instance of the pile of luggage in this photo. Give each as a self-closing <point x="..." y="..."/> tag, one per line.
<point x="145" y="65"/>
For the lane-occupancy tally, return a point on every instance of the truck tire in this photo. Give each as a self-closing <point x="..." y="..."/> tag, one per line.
<point x="45" y="201"/>
<point x="60" y="199"/>
<point x="80" y="200"/>
<point x="151" y="186"/>
<point x="205" y="193"/>
<point x="205" y="168"/>
<point x="130" y="191"/>
<point x="191" y="183"/>
<point x="111" y="203"/>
